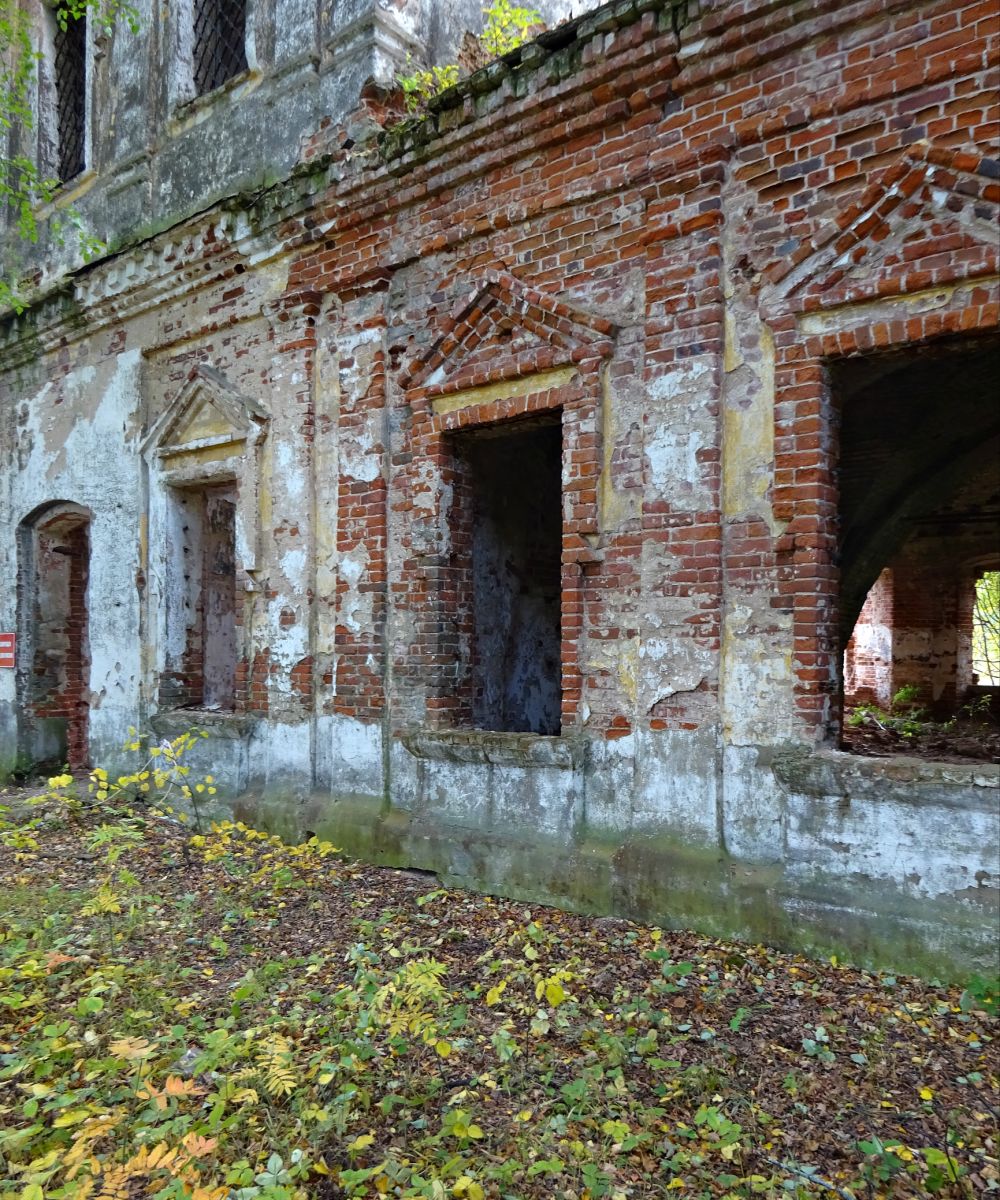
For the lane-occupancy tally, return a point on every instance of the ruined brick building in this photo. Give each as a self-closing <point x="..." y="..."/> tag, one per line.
<point x="500" y="490"/>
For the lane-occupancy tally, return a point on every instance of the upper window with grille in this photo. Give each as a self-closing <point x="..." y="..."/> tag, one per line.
<point x="219" y="42"/>
<point x="70" y="46"/>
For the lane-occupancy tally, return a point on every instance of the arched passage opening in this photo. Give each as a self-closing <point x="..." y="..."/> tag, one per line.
<point x="53" y="668"/>
<point x="919" y="514"/>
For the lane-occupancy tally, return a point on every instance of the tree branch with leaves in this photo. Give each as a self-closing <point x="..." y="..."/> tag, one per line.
<point x="26" y="188"/>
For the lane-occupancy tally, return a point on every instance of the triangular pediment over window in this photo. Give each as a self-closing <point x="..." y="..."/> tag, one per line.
<point x="207" y="413"/>
<point x="505" y="328"/>
<point x="928" y="220"/>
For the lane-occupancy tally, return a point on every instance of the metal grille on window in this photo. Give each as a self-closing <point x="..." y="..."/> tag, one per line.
<point x="71" y="96"/>
<point x="219" y="42"/>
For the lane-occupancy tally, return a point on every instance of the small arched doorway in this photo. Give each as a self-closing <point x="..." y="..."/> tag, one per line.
<point x="53" y="665"/>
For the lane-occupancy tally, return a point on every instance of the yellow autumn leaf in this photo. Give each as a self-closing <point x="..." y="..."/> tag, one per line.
<point x="926" y="1094"/>
<point x="361" y="1143"/>
<point x="467" y="1188"/>
<point x="176" y="1086"/>
<point x="73" y="1117"/>
<point x="196" y="1145"/>
<point x="442" y="1047"/>
<point x="494" y="994"/>
<point x="130" y="1048"/>
<point x="43" y="1163"/>
<point x="148" y="1092"/>
<point x="161" y="1155"/>
<point x="554" y="993"/>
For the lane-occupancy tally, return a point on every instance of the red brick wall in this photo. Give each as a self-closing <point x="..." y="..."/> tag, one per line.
<point x="868" y="658"/>
<point x="811" y="159"/>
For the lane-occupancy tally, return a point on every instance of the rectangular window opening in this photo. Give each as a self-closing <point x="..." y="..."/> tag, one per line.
<point x="70" y="46"/>
<point x="203" y="618"/>
<point x="219" y="42"/>
<point x="507" y="533"/>
<point x="919" y="504"/>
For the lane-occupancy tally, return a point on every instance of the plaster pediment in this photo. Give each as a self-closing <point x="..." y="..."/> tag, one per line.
<point x="207" y="412"/>
<point x="503" y="327"/>
<point x="933" y="201"/>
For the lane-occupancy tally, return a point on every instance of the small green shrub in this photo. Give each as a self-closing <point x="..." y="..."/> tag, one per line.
<point x="904" y="717"/>
<point x="506" y="27"/>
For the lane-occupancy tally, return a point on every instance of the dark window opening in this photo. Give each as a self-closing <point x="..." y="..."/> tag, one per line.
<point x="919" y="507"/>
<point x="71" y="96"/>
<point x="219" y="42"/>
<point x="507" y="541"/>
<point x="203" y="618"/>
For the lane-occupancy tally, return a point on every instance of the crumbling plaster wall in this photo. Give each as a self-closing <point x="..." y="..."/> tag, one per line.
<point x="659" y="238"/>
<point x="73" y="438"/>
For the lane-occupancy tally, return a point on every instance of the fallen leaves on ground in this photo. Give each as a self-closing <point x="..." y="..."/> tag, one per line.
<point x="221" y="1015"/>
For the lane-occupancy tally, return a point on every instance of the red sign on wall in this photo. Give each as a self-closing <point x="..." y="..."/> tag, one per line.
<point x="7" y="651"/>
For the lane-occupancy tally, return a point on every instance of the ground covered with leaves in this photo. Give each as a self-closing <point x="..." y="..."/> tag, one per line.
<point x="216" y="1015"/>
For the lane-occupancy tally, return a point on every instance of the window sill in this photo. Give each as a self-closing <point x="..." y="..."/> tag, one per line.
<point x="497" y="749"/>
<point x="68" y="192"/>
<point x="172" y="722"/>
<point x="189" y="112"/>
<point x="825" y="773"/>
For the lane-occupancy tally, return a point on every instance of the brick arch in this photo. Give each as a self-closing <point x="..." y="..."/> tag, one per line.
<point x="53" y="665"/>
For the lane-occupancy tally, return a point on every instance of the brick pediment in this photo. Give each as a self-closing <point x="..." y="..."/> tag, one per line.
<point x="928" y="220"/>
<point x="503" y="329"/>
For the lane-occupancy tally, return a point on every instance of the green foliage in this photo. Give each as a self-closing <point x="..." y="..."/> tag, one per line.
<point x="904" y="717"/>
<point x="24" y="189"/>
<point x="421" y="85"/>
<point x="506" y="27"/>
<point x="986" y="629"/>
<point x="888" y="1161"/>
<point x="818" y="1046"/>
<point x="982" y="994"/>
<point x="906" y="697"/>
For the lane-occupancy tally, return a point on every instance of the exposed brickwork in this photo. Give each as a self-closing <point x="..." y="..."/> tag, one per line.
<point x="868" y="657"/>
<point x="849" y="174"/>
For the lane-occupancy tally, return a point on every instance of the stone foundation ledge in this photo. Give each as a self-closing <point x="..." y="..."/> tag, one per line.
<point x="499" y="749"/>
<point x="227" y="725"/>
<point x="827" y="772"/>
